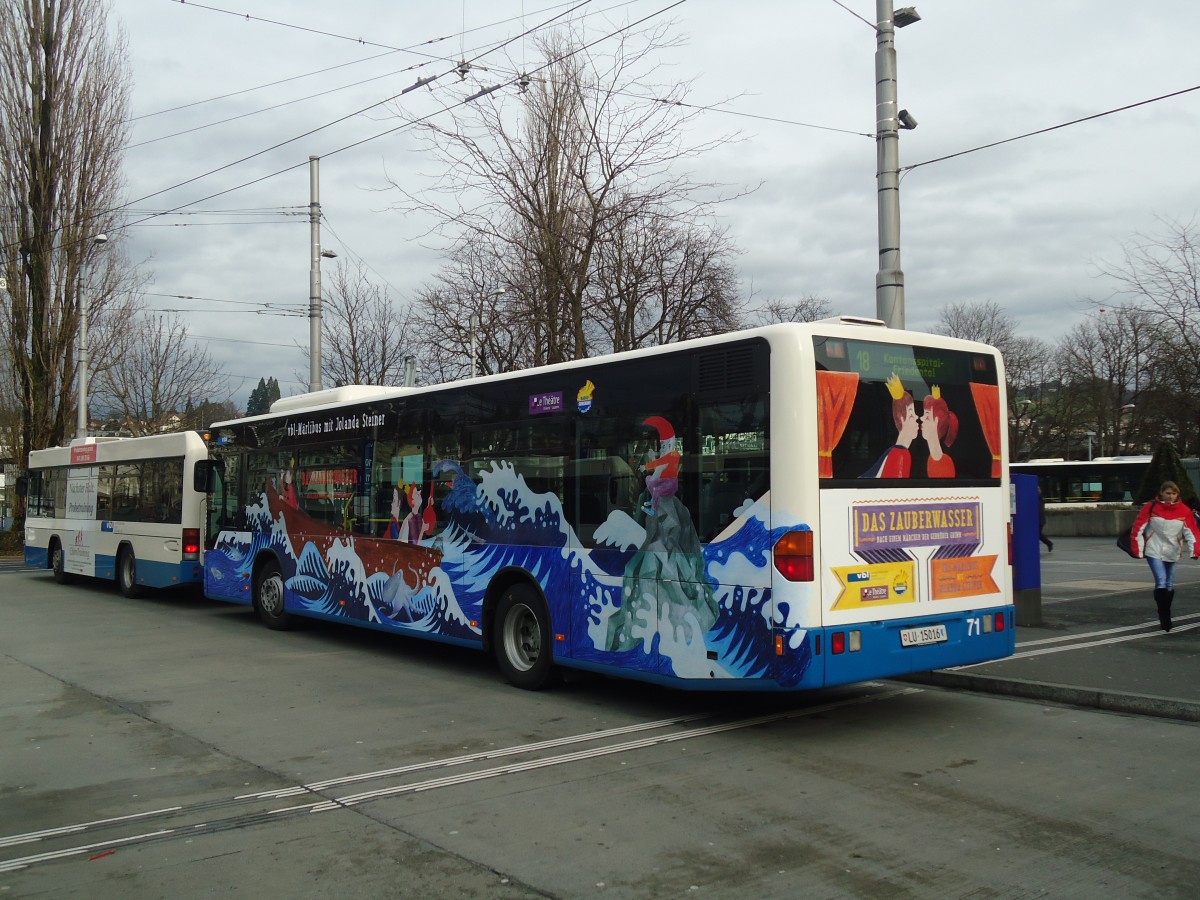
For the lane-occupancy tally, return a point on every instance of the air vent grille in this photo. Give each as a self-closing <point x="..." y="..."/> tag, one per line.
<point x="726" y="369"/>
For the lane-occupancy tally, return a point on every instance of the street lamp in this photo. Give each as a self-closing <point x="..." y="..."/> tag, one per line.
<point x="81" y="415"/>
<point x="889" y="280"/>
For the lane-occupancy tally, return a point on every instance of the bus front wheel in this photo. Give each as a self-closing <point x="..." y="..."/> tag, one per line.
<point x="127" y="573"/>
<point x="268" y="598"/>
<point x="58" y="563"/>
<point x="522" y="638"/>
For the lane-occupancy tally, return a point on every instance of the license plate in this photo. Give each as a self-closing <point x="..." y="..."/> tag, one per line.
<point x="928" y="634"/>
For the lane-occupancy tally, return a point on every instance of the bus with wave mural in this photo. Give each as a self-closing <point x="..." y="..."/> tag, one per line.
<point x="785" y="508"/>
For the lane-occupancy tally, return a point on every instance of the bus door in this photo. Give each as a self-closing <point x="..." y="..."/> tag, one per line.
<point x="225" y="520"/>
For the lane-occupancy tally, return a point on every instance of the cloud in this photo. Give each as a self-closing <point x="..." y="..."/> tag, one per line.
<point x="1022" y="224"/>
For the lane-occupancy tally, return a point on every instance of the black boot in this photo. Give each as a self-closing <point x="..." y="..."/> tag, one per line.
<point x="1170" y="600"/>
<point x="1163" y="602"/>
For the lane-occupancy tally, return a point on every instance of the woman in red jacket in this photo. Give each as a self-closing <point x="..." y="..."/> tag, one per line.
<point x="1164" y="530"/>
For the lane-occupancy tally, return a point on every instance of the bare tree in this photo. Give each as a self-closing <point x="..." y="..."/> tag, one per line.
<point x="1033" y="375"/>
<point x="1106" y="356"/>
<point x="1036" y="402"/>
<point x="583" y="156"/>
<point x="159" y="376"/>
<point x="64" y="81"/>
<point x="658" y="280"/>
<point x="806" y="309"/>
<point x="983" y="321"/>
<point x="478" y="303"/>
<point x="1159" y="276"/>
<point x="365" y="338"/>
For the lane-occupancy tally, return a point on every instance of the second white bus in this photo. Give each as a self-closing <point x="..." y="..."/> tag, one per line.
<point x="123" y="509"/>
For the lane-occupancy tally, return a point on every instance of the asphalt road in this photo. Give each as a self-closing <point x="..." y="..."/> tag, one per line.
<point x="173" y="747"/>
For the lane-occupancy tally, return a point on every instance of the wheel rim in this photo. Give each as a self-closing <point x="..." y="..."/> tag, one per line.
<point x="270" y="595"/>
<point x="522" y="638"/>
<point x="128" y="571"/>
<point x="56" y="559"/>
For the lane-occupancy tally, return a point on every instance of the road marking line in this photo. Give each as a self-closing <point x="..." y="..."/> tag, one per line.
<point x="1075" y="637"/>
<point x="13" y="864"/>
<point x="327" y="805"/>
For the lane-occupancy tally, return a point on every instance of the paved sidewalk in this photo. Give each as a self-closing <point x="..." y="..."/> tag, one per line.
<point x="1099" y="643"/>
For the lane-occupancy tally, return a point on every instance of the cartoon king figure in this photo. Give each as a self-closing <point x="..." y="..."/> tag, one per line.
<point x="897" y="461"/>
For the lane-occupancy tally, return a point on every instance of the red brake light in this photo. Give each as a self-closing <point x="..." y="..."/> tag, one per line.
<point x="999" y="621"/>
<point x="793" y="555"/>
<point x="837" y="642"/>
<point x="191" y="543"/>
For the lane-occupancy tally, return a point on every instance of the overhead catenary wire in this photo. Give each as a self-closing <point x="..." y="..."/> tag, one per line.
<point x="297" y="306"/>
<point x="419" y="83"/>
<point x="1082" y="119"/>
<point x="411" y="122"/>
<point x="389" y="52"/>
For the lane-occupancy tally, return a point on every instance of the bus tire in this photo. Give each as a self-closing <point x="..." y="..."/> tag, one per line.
<point x="58" y="562"/>
<point x="522" y="638"/>
<point x="268" y="597"/>
<point x="127" y="573"/>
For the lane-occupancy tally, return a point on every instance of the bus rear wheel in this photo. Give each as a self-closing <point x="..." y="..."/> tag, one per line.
<point x="127" y="573"/>
<point x="58" y="562"/>
<point x="268" y="597"/>
<point x="522" y="638"/>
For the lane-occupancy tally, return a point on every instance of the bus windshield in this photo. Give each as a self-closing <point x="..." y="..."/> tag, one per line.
<point x="894" y="411"/>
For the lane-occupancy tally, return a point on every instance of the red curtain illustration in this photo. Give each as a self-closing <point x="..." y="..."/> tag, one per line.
<point x="987" y="404"/>
<point x="835" y="400"/>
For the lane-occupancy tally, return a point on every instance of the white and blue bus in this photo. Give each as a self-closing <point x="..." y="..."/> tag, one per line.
<point x="790" y="507"/>
<point x="124" y="509"/>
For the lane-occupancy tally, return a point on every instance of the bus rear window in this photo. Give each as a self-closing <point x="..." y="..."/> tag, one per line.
<point x="888" y="412"/>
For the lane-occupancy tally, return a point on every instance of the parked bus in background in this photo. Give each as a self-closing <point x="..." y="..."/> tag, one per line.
<point x="790" y="507"/>
<point x="1104" y="479"/>
<point x="119" y="508"/>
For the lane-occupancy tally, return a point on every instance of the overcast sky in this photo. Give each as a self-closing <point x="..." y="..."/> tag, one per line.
<point x="1024" y="224"/>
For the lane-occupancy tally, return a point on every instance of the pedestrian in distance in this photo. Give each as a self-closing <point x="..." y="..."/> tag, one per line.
<point x="1042" y="522"/>
<point x="1163" y="531"/>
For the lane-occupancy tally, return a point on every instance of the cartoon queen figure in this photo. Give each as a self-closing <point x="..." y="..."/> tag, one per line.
<point x="939" y="427"/>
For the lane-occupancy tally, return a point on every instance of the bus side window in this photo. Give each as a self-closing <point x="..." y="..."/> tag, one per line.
<point x="104" y="491"/>
<point x="445" y="448"/>
<point x="605" y="474"/>
<point x="734" y="463"/>
<point x="56" y="495"/>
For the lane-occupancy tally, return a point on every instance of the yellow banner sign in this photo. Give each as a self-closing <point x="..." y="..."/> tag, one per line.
<point x="967" y="576"/>
<point x="876" y="584"/>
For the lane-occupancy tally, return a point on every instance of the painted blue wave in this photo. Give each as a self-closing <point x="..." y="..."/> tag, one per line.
<point x="500" y="523"/>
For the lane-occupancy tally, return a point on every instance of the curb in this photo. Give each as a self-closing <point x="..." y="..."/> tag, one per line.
<point x="1112" y="701"/>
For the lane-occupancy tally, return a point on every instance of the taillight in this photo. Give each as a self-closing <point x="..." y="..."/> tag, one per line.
<point x="191" y="543"/>
<point x="999" y="621"/>
<point x="837" y="642"/>
<point x="793" y="554"/>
